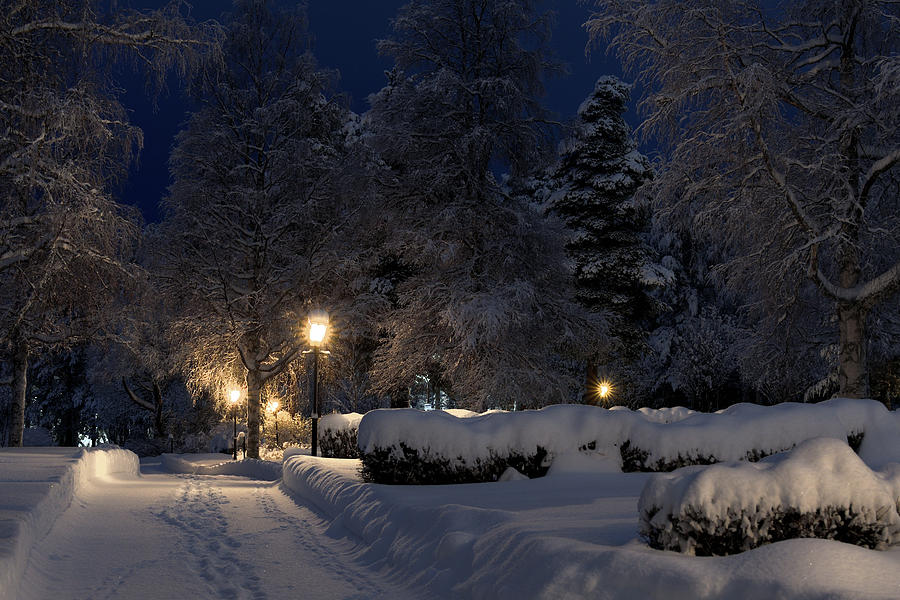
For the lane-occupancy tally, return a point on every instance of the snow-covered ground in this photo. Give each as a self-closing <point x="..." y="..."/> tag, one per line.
<point x="162" y="535"/>
<point x="203" y="526"/>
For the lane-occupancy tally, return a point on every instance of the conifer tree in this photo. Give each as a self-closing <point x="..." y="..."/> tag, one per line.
<point x="592" y="188"/>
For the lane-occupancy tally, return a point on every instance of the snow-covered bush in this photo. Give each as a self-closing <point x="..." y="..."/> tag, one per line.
<point x="409" y="446"/>
<point x="821" y="489"/>
<point x="337" y="435"/>
<point x="411" y="466"/>
<point x="744" y="432"/>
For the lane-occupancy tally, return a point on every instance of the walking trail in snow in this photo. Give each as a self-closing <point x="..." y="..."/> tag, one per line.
<point x="196" y="536"/>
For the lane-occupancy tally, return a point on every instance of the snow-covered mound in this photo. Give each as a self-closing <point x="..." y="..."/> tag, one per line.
<point x="819" y="489"/>
<point x="218" y="465"/>
<point x="38" y="485"/>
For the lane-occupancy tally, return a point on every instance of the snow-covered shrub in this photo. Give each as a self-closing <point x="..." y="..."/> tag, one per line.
<point x="410" y="466"/>
<point x="820" y="489"/>
<point x="337" y="435"/>
<point x="744" y="432"/>
<point x="412" y="446"/>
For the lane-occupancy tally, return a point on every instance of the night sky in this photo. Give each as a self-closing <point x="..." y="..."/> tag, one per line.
<point x="345" y="34"/>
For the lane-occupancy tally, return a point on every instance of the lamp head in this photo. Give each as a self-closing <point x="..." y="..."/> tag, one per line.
<point x="234" y="396"/>
<point x="318" y="327"/>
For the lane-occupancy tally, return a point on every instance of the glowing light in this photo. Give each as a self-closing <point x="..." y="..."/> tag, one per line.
<point x="234" y="396"/>
<point x="272" y="406"/>
<point x="318" y="327"/>
<point x="604" y="389"/>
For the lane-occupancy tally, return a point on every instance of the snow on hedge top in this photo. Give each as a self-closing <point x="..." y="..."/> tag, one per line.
<point x="339" y="422"/>
<point x="818" y="473"/>
<point x="666" y="415"/>
<point x="727" y="435"/>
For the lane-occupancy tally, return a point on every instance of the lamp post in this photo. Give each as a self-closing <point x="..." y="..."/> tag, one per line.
<point x="318" y="329"/>
<point x="272" y="407"/>
<point x="234" y="397"/>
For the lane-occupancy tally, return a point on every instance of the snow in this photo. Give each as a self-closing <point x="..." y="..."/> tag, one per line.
<point x="339" y="422"/>
<point x="220" y="464"/>
<point x="819" y="473"/>
<point x="188" y="526"/>
<point x="665" y="434"/>
<point x="571" y="534"/>
<point x="38" y="485"/>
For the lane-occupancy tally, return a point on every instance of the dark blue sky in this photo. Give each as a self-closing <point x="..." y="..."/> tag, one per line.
<point x="345" y="34"/>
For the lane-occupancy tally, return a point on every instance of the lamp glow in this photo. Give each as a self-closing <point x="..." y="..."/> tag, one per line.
<point x="272" y="406"/>
<point x="234" y="396"/>
<point x="318" y="327"/>
<point x="604" y="389"/>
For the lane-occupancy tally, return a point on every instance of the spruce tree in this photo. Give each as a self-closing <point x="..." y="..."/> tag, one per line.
<point x="592" y="189"/>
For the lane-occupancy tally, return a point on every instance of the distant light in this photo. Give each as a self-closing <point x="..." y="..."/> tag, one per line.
<point x="318" y="327"/>
<point x="604" y="389"/>
<point x="272" y="406"/>
<point x="234" y="396"/>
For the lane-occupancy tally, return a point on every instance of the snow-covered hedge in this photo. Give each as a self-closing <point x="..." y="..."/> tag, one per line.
<point x="410" y="446"/>
<point x="821" y="489"/>
<point x="337" y="435"/>
<point x="746" y="432"/>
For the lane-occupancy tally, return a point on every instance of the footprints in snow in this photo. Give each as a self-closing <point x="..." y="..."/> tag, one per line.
<point x="209" y="550"/>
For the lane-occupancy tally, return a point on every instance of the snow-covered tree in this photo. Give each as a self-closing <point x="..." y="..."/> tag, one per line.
<point x="784" y="135"/>
<point x="259" y="217"/>
<point x="484" y="308"/>
<point x="63" y="138"/>
<point x="592" y="187"/>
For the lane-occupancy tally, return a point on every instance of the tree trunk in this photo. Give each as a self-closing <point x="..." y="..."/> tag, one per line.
<point x="853" y="376"/>
<point x="20" y="382"/>
<point x="253" y="387"/>
<point x="591" y="382"/>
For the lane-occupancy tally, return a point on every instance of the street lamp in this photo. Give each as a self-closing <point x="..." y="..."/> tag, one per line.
<point x="272" y="407"/>
<point x="234" y="397"/>
<point x="318" y="330"/>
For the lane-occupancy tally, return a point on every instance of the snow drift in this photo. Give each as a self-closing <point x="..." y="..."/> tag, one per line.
<point x="38" y="485"/>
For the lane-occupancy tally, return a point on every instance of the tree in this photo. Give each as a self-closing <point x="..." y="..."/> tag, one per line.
<point x="592" y="187"/>
<point x="260" y="213"/>
<point x="784" y="135"/>
<point x="483" y="310"/>
<point x="64" y="138"/>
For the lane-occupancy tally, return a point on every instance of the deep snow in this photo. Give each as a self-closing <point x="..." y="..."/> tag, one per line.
<point x="323" y="533"/>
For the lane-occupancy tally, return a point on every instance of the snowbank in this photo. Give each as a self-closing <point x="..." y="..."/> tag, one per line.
<point x="572" y="534"/>
<point x="205" y="464"/>
<point x="38" y="485"/>
<point x="819" y="489"/>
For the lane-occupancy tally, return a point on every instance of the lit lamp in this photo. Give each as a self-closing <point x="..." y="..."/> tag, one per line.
<point x="272" y="407"/>
<point x="318" y="330"/>
<point x="604" y="390"/>
<point x="234" y="397"/>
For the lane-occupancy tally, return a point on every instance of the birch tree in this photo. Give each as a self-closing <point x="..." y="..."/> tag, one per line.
<point x="783" y="133"/>
<point x="261" y="207"/>
<point x="64" y="138"/>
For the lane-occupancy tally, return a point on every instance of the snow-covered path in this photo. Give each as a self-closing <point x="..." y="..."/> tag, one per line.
<point x="194" y="536"/>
